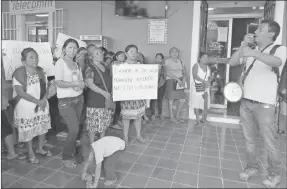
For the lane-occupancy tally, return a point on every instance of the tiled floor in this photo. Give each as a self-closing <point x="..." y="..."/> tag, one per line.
<point x="174" y="157"/>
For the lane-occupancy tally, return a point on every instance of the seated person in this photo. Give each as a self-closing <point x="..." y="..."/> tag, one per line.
<point x="107" y="150"/>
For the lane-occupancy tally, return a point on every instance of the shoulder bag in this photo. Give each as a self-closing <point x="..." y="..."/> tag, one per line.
<point x="109" y="104"/>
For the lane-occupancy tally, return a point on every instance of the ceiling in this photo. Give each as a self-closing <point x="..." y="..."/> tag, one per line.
<point x="229" y="4"/>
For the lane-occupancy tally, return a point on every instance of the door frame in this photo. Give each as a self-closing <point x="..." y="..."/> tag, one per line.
<point x="33" y="24"/>
<point x="230" y="23"/>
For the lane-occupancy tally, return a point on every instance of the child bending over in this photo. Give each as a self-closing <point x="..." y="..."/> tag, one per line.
<point x="107" y="150"/>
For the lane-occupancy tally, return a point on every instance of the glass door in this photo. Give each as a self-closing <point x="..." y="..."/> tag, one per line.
<point x="37" y="33"/>
<point x="218" y="47"/>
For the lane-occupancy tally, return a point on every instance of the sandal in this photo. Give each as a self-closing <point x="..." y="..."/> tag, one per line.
<point x="110" y="182"/>
<point x="19" y="145"/>
<point x="153" y="117"/>
<point x="44" y="153"/>
<point x="69" y="163"/>
<point x="180" y="120"/>
<point x="173" y="120"/>
<point x="127" y="142"/>
<point x="33" y="160"/>
<point x="117" y="127"/>
<point x="141" y="139"/>
<point x="281" y="132"/>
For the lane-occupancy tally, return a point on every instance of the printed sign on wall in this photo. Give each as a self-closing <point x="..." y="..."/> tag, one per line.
<point x="28" y="7"/>
<point x="157" y="31"/>
<point x="11" y="52"/>
<point x="135" y="82"/>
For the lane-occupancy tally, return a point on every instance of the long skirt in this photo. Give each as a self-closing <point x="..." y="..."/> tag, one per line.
<point x="171" y="92"/>
<point x="98" y="119"/>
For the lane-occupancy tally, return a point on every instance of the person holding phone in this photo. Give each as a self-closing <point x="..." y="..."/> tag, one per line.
<point x="258" y="106"/>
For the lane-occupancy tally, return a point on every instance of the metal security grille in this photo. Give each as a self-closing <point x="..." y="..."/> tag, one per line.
<point x="9" y="30"/>
<point x="58" y="23"/>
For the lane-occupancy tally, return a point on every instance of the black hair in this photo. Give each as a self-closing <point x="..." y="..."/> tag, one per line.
<point x="90" y="45"/>
<point x="273" y="27"/>
<point x="70" y="40"/>
<point x="105" y="51"/>
<point x="78" y="51"/>
<point x="159" y="54"/>
<point x="201" y="54"/>
<point x="172" y="49"/>
<point x="110" y="54"/>
<point x="131" y="46"/>
<point x="140" y="58"/>
<point x="25" y="52"/>
<point x="118" y="53"/>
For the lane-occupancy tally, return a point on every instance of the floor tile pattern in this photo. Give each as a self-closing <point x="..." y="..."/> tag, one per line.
<point x="175" y="156"/>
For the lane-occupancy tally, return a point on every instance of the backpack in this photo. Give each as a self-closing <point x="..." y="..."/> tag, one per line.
<point x="281" y="79"/>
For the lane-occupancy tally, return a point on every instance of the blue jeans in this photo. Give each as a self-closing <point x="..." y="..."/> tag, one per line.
<point x="260" y="117"/>
<point x="71" y="111"/>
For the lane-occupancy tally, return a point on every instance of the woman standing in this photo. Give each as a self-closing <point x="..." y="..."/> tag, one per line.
<point x="200" y="100"/>
<point x="80" y="58"/>
<point x="31" y="108"/>
<point x="70" y="85"/>
<point x="159" y="59"/>
<point x="99" y="83"/>
<point x="132" y="109"/>
<point x="175" y="83"/>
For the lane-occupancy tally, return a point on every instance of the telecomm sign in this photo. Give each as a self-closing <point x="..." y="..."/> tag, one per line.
<point x="26" y="7"/>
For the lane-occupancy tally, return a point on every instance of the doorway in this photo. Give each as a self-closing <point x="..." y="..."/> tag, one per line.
<point x="37" y="27"/>
<point x="37" y="33"/>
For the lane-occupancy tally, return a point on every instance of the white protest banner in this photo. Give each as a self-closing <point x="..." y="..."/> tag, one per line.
<point x="135" y="82"/>
<point x="61" y="38"/>
<point x="11" y="52"/>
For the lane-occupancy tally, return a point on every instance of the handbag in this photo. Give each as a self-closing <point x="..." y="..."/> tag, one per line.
<point x="184" y="86"/>
<point x="109" y="104"/>
<point x="200" y="87"/>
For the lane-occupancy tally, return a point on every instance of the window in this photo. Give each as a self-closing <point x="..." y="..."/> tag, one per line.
<point x="9" y="31"/>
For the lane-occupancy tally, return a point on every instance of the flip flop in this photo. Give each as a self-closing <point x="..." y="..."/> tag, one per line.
<point x="141" y="139"/>
<point x="33" y="160"/>
<point x="110" y="182"/>
<point x="69" y="163"/>
<point x="173" y="120"/>
<point x="117" y="127"/>
<point x="180" y="120"/>
<point x="46" y="153"/>
<point x="281" y="132"/>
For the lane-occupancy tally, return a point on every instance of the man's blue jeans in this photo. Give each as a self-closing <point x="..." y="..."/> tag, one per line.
<point x="260" y="117"/>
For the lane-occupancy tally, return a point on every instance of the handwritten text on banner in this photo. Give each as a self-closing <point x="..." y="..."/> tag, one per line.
<point x="11" y="53"/>
<point x="135" y="82"/>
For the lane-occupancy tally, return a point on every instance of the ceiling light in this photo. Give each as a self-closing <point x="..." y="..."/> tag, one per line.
<point x="253" y="8"/>
<point x="261" y="8"/>
<point x="210" y="9"/>
<point x="42" y="15"/>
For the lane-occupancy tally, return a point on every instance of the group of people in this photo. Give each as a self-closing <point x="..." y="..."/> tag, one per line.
<point x="82" y="82"/>
<point x="83" y="85"/>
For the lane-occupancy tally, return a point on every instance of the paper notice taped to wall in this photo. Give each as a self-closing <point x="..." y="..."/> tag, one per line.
<point x="222" y="34"/>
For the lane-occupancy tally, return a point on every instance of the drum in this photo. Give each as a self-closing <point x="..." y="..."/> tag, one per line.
<point x="233" y="92"/>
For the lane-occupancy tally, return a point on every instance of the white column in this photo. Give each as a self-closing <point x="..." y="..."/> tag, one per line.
<point x="194" y="48"/>
<point x="279" y="18"/>
<point x="21" y="27"/>
<point x="50" y="28"/>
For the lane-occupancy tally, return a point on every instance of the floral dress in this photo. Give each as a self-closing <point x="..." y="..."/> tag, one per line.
<point x="98" y="118"/>
<point x="133" y="109"/>
<point x="29" y="123"/>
